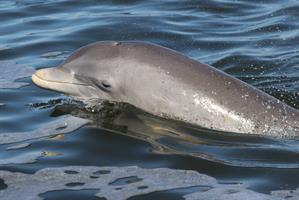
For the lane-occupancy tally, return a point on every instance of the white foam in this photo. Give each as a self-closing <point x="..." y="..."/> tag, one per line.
<point x="120" y="183"/>
<point x="30" y="186"/>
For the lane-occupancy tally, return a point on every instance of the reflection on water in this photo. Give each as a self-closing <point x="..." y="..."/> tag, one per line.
<point x="175" y="137"/>
<point x="256" y="41"/>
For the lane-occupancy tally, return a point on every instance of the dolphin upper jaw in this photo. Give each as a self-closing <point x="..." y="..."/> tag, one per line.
<point x="58" y="79"/>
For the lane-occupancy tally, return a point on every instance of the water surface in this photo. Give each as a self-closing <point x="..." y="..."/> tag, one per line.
<point x="256" y="41"/>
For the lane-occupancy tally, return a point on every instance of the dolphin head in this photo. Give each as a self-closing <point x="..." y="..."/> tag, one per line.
<point x="91" y="72"/>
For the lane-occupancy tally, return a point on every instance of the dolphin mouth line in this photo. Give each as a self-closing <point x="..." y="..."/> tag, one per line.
<point x="37" y="78"/>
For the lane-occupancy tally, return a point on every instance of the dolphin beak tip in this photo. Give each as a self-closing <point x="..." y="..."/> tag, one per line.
<point x="55" y="79"/>
<point x="34" y="78"/>
<point x="38" y="77"/>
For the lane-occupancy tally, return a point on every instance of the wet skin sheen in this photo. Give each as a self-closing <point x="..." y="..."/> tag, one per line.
<point x="166" y="83"/>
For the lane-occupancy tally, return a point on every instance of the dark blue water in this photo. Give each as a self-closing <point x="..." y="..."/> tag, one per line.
<point x="256" y="41"/>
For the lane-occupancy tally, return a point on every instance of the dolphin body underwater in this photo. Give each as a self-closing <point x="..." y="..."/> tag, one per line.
<point x="164" y="82"/>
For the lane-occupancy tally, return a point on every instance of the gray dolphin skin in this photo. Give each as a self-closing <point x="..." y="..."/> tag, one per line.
<point x="166" y="83"/>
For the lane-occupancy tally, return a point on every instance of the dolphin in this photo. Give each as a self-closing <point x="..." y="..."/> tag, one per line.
<point x="164" y="82"/>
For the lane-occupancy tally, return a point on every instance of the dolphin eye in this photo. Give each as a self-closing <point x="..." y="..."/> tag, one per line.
<point x="105" y="84"/>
